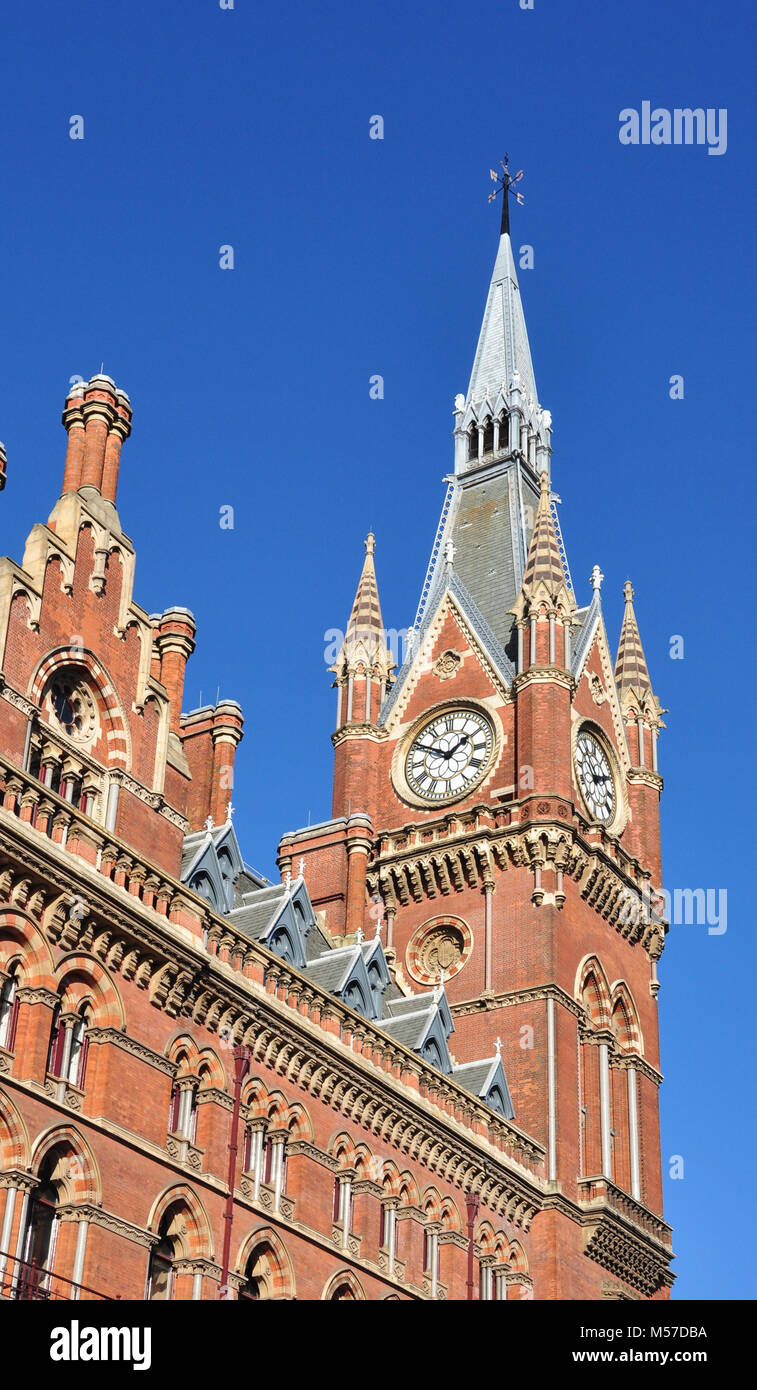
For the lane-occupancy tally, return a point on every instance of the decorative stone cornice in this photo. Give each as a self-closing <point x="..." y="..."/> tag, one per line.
<point x="459" y="851"/>
<point x="96" y="1216"/>
<point x="362" y="730"/>
<point x="311" y="1151"/>
<point x="215" y="1096"/>
<point x="147" y="947"/>
<point x="455" y="1238"/>
<point x="16" y="699"/>
<point x="116" y="1038"/>
<point x="556" y="675"/>
<point x="517" y="996"/>
<point x="366" y="1187"/>
<point x="645" y="777"/>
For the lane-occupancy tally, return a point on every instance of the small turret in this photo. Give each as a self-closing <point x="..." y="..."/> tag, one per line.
<point x="641" y="708"/>
<point x="545" y="605"/>
<point x="364" y="665"/>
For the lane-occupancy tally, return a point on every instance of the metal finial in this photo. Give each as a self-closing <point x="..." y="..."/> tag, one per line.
<point x="210" y="823"/>
<point x="301" y="867"/>
<point x="498" y="1045"/>
<point x="596" y="578"/>
<point x="505" y="181"/>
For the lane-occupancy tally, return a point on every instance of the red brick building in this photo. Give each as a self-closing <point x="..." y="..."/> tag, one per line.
<point x="211" y="1086"/>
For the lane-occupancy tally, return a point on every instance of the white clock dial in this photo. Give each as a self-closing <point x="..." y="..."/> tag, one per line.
<point x="595" y="778"/>
<point x="449" y="755"/>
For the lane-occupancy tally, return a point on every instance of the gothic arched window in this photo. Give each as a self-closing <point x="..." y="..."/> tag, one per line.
<point x="504" y="430"/>
<point x="9" y="1006"/>
<point x="41" y="1229"/>
<point x="473" y="442"/>
<point x="160" y="1274"/>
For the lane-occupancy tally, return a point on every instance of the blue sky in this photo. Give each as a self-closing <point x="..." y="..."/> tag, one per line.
<point x="354" y="256"/>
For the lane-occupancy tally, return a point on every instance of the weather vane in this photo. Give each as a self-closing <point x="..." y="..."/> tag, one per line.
<point x="505" y="181"/>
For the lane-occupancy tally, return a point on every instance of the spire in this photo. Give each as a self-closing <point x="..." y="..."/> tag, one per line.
<point x="631" y="671"/>
<point x="641" y="708"/>
<point x="503" y="356"/>
<point x="364" y="652"/>
<point x="502" y="445"/>
<point x="544" y="595"/>
<point x="544" y="565"/>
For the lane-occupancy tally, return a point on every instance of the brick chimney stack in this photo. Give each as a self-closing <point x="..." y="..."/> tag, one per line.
<point x="174" y="634"/>
<point x="97" y="417"/>
<point x="227" y="733"/>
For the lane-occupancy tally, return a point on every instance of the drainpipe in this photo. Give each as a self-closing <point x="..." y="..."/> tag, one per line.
<point x="471" y="1204"/>
<point x="241" y="1068"/>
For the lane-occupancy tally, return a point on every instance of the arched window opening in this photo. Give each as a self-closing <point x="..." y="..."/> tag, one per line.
<point x="504" y="430"/>
<point x="260" y="1275"/>
<point x="182" y="1118"/>
<point x="9" y="1006"/>
<point x="56" y="1044"/>
<point x="69" y="1045"/>
<point x="592" y="1000"/>
<point x="160" y="1274"/>
<point x="41" y="1232"/>
<point x="76" y="1069"/>
<point x="488" y="435"/>
<point x="431" y="1257"/>
<point x="473" y="442"/>
<point x="354" y="998"/>
<point x="342" y="1292"/>
<point x="204" y="886"/>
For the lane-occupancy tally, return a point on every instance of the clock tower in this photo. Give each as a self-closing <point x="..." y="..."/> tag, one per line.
<point x="496" y="812"/>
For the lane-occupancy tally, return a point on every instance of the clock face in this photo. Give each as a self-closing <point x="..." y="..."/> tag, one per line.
<point x="595" y="778"/>
<point x="449" y="755"/>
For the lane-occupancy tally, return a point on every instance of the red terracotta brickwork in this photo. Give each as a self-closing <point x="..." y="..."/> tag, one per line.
<point x="126" y="1001"/>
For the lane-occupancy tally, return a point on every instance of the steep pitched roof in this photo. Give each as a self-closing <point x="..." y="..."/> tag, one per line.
<point x="503" y="347"/>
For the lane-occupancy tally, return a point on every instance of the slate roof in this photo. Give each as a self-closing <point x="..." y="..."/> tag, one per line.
<point x="259" y="911"/>
<point x="410" y="1028"/>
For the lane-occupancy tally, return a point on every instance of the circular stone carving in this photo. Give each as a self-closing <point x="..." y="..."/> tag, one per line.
<point x="71" y="706"/>
<point x="441" y="946"/>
